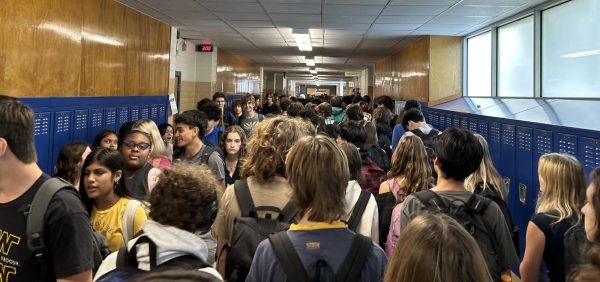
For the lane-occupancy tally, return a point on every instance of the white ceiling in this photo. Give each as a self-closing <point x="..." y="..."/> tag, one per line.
<point x="346" y="34"/>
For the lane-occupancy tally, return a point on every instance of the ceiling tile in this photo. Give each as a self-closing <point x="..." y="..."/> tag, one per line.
<point x="434" y="32"/>
<point x="259" y="30"/>
<point x="244" y="16"/>
<point x="350" y="19"/>
<point x="380" y="2"/>
<point x="207" y="23"/>
<point x="442" y="27"/>
<point x="234" y="7"/>
<point x="395" y="26"/>
<point x="293" y="8"/>
<point x="347" y="27"/>
<point x="426" y="2"/>
<point x="262" y="35"/>
<point x="295" y="17"/>
<point x="298" y="24"/>
<point x="392" y="33"/>
<point x="414" y="10"/>
<point x="252" y="23"/>
<point x="498" y="2"/>
<point x="459" y="19"/>
<point x="174" y="5"/>
<point x="191" y="15"/>
<point x="353" y="10"/>
<point x="404" y="19"/>
<point x="478" y="11"/>
<point x="291" y="1"/>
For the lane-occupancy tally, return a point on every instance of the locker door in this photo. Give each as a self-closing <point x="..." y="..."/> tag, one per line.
<point x="154" y="113"/>
<point x="456" y="121"/>
<point x="162" y="113"/>
<point x="111" y="118"/>
<point x="589" y="154"/>
<point x="122" y="116"/>
<point x="566" y="143"/>
<point x="442" y="122"/>
<point x="494" y="141"/>
<point x="80" y="126"/>
<point x="473" y="126"/>
<point x="525" y="201"/>
<point x="484" y="129"/>
<point x="448" y="121"/>
<point x="464" y="123"/>
<point x="507" y="163"/>
<point x="62" y="133"/>
<point x="145" y="112"/>
<point x="135" y="113"/>
<point x="97" y="123"/>
<point x="43" y="141"/>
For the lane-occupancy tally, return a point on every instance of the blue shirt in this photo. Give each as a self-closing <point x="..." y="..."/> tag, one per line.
<point x="213" y="137"/>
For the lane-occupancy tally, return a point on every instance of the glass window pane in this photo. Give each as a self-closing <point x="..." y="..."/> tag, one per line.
<point x="571" y="50"/>
<point x="479" y="65"/>
<point x="515" y="59"/>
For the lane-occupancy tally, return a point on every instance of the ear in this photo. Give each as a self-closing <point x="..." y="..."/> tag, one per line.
<point x="196" y="130"/>
<point x="117" y="175"/>
<point x="3" y="146"/>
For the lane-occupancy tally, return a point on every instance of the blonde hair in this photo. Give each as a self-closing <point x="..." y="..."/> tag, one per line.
<point x="564" y="186"/>
<point x="436" y="248"/>
<point x="318" y="173"/>
<point x="271" y="140"/>
<point x="410" y="161"/>
<point x="159" y="150"/>
<point x="486" y="173"/>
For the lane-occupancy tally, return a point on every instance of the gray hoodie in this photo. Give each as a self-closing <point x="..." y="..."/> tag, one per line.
<point x="171" y="242"/>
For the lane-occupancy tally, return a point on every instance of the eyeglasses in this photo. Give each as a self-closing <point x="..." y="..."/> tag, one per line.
<point x="131" y="145"/>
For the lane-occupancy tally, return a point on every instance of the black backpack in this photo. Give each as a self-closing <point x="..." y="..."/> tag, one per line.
<point x="249" y="230"/>
<point x="575" y="246"/>
<point x="385" y="205"/>
<point x="470" y="216"/>
<point x="35" y="225"/>
<point x="349" y="270"/>
<point x="493" y="195"/>
<point x="358" y="210"/>
<point x="127" y="263"/>
<point x="378" y="156"/>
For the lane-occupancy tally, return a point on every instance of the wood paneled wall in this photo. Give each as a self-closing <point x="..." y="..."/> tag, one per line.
<point x="236" y="73"/>
<point x="427" y="69"/>
<point x="52" y="48"/>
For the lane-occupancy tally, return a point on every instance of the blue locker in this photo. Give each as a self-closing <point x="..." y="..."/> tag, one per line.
<point x="448" y="121"/>
<point x="473" y="125"/>
<point x="483" y="129"/>
<point x="566" y="143"/>
<point x="524" y="195"/>
<point x="162" y="113"/>
<point x="135" y="113"/>
<point x="442" y="122"/>
<point x="494" y="141"/>
<point x="96" y="122"/>
<point x="154" y="113"/>
<point x="145" y="112"/>
<point x="80" y="126"/>
<point x="42" y="140"/>
<point x="111" y="118"/>
<point x="122" y="117"/>
<point x="464" y="123"/>
<point x="435" y="119"/>
<point x="542" y="145"/>
<point x="455" y="121"/>
<point x="62" y="133"/>
<point x="589" y="154"/>
<point x="507" y="161"/>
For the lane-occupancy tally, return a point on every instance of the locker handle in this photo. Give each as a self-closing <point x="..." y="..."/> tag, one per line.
<point x="522" y="193"/>
<point x="506" y="182"/>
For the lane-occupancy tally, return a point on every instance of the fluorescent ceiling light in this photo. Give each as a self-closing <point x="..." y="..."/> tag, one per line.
<point x="313" y="71"/>
<point x="582" y="54"/>
<point x="310" y="61"/>
<point x="302" y="39"/>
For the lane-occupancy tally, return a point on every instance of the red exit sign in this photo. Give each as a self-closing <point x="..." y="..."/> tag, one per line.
<point x="204" y="48"/>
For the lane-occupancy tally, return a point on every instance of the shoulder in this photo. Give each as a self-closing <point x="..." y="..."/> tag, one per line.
<point x="65" y="202"/>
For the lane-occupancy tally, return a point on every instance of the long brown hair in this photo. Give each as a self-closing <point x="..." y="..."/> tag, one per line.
<point x="590" y="272"/>
<point x="354" y="161"/>
<point x="486" y="173"/>
<point x="234" y="129"/>
<point x="436" y="248"/>
<point x="410" y="163"/>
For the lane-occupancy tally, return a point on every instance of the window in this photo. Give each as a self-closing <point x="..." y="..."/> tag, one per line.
<point x="479" y="65"/>
<point x="515" y="59"/>
<point x="571" y="50"/>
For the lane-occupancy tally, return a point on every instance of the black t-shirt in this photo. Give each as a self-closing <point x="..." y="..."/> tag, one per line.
<point x="554" y="251"/>
<point x="273" y="109"/>
<point x="236" y="175"/>
<point x="67" y="237"/>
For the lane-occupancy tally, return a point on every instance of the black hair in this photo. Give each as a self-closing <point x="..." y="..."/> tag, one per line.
<point x="458" y="152"/>
<point x="101" y="135"/>
<point x="356" y="99"/>
<point x="284" y="103"/>
<point x="367" y="99"/>
<point x="202" y="103"/>
<point x="336" y="101"/>
<point x="354" y="112"/>
<point x="124" y="130"/>
<point x="413" y="115"/>
<point x="193" y="118"/>
<point x="212" y="111"/>
<point x="162" y="128"/>
<point x="218" y="95"/>
<point x="310" y="115"/>
<point x="412" y="104"/>
<point x="294" y="109"/>
<point x="386" y="101"/>
<point x="347" y="100"/>
<point x="110" y="159"/>
<point x="353" y="132"/>
<point x="69" y="158"/>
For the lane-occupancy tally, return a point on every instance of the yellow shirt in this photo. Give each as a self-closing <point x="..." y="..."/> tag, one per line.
<point x="109" y="223"/>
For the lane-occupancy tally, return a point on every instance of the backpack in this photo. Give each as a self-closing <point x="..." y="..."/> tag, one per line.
<point x="470" y="216"/>
<point x="127" y="264"/>
<point x="35" y="225"/>
<point x="428" y="144"/>
<point x="575" y="246"/>
<point x="373" y="175"/>
<point x="129" y="218"/>
<point x="379" y="156"/>
<point x="394" y="230"/>
<point x="249" y="230"/>
<point x="358" y="210"/>
<point x="493" y="195"/>
<point x="385" y="205"/>
<point x="349" y="270"/>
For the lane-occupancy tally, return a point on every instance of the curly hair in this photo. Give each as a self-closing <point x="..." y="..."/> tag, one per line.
<point x="183" y="196"/>
<point x="271" y="140"/>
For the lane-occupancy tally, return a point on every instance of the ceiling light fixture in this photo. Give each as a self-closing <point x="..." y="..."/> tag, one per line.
<point x="310" y="61"/>
<point x="313" y="71"/>
<point x="302" y="39"/>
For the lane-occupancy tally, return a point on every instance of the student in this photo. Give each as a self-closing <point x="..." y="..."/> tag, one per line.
<point x="70" y="160"/>
<point x="140" y="176"/>
<point x="436" y="248"/>
<point x="67" y="228"/>
<point x="182" y="204"/>
<point x="264" y="170"/>
<point x="106" y="198"/>
<point x="250" y="117"/>
<point x="458" y="156"/>
<point x="410" y="173"/>
<point x="270" y="107"/>
<point x="337" y="109"/>
<point x="233" y="145"/>
<point x="106" y="139"/>
<point x="318" y="173"/>
<point x="398" y="128"/>
<point x="590" y="271"/>
<point x="562" y="192"/>
<point x="190" y="126"/>
<point x="158" y="157"/>
<point x="237" y="110"/>
<point x="227" y="118"/>
<point x="166" y="132"/>
<point x="382" y="117"/>
<point x="213" y="116"/>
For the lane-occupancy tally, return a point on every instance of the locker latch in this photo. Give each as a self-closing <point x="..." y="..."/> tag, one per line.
<point x="522" y="193"/>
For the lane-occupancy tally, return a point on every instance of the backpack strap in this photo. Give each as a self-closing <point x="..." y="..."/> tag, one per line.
<point x="244" y="198"/>
<point x="288" y="257"/>
<point x="477" y="203"/>
<point x="129" y="219"/>
<point x="430" y="199"/>
<point x="355" y="259"/>
<point x="36" y="216"/>
<point x="288" y="213"/>
<point x="358" y="210"/>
